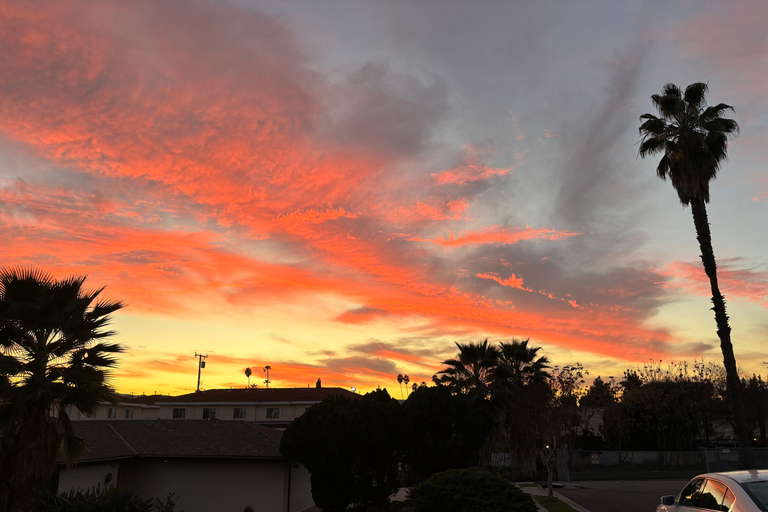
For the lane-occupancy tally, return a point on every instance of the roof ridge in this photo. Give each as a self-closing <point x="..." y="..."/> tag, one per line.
<point x="126" y="443"/>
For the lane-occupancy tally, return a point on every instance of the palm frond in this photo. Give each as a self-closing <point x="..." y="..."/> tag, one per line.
<point x="696" y="94"/>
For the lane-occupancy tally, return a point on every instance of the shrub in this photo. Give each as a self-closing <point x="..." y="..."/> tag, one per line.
<point x="109" y="499"/>
<point x="468" y="490"/>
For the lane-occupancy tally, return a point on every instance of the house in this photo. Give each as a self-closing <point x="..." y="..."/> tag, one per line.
<point x="276" y="407"/>
<point x="270" y="406"/>
<point x="209" y="465"/>
<point x="128" y="407"/>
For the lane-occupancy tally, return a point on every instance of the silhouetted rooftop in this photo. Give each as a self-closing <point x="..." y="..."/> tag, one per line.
<point x="178" y="439"/>
<point x="256" y="395"/>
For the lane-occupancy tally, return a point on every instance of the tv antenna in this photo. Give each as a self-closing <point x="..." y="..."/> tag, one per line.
<point x="200" y="366"/>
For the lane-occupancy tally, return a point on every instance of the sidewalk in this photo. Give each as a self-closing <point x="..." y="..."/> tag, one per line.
<point x="537" y="490"/>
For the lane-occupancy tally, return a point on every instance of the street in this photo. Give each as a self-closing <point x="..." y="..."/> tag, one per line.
<point x="620" y="496"/>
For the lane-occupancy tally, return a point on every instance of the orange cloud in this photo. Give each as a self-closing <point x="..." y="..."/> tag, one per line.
<point x="471" y="169"/>
<point x="498" y="235"/>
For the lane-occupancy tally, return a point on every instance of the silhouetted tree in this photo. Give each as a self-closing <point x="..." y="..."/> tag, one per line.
<point x="693" y="141"/>
<point x="444" y="431"/>
<point x="525" y="373"/>
<point x="54" y="359"/>
<point x="351" y="448"/>
<point x="248" y="374"/>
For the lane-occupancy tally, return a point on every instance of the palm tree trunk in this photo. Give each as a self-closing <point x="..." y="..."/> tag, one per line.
<point x="699" y="210"/>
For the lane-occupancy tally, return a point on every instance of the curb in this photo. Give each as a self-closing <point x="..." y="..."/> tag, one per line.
<point x="540" y="491"/>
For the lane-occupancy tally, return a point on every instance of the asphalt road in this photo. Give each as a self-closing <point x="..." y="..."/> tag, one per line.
<point x="621" y="496"/>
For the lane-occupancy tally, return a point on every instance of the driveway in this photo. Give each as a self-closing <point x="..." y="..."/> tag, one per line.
<point x="626" y="496"/>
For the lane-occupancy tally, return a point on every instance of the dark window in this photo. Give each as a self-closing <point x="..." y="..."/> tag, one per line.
<point x="758" y="491"/>
<point x="128" y="414"/>
<point x="273" y="413"/>
<point x="691" y="493"/>
<point x="209" y="413"/>
<point x="112" y="413"/>
<point x="179" y="413"/>
<point x="238" y="413"/>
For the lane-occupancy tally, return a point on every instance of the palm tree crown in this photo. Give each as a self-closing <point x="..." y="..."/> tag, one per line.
<point x="473" y="372"/>
<point x="692" y="137"/>
<point x="53" y="358"/>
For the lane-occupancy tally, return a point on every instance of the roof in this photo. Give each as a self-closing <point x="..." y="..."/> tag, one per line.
<point x="140" y="399"/>
<point x="743" y="476"/>
<point x="257" y="395"/>
<point x="178" y="439"/>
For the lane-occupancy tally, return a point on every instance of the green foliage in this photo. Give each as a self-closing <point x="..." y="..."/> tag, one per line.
<point x="467" y="490"/>
<point x="109" y="499"/>
<point x="351" y="448"/>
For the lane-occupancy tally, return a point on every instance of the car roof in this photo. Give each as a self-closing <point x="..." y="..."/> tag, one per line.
<point x="743" y="476"/>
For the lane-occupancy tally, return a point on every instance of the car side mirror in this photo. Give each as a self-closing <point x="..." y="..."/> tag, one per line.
<point x="667" y="500"/>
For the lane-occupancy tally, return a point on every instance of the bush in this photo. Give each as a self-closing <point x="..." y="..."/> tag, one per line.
<point x="468" y="490"/>
<point x="109" y="499"/>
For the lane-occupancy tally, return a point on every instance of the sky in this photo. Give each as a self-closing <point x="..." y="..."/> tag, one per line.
<point x="342" y="190"/>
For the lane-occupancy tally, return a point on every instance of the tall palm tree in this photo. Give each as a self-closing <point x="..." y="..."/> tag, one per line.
<point x="693" y="141"/>
<point x="53" y="358"/>
<point x="248" y="373"/>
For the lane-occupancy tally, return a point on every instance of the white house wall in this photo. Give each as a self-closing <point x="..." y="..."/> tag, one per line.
<point x="210" y="486"/>
<point x="301" y="490"/>
<point x="88" y="476"/>
<point x="288" y="412"/>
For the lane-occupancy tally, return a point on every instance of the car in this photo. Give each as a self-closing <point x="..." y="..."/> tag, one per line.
<point x="731" y="491"/>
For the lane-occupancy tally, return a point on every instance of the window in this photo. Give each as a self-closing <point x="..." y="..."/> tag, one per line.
<point x="112" y="413"/>
<point x="273" y="413"/>
<point x="179" y="412"/>
<point x="711" y="496"/>
<point x="690" y="495"/>
<point x="728" y="501"/>
<point x="238" y="413"/>
<point x="758" y="491"/>
<point x="129" y="414"/>
<point x="209" y="413"/>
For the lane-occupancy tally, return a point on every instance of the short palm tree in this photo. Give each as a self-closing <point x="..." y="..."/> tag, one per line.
<point x="53" y="359"/>
<point x="522" y="364"/>
<point x="473" y="372"/>
<point x="693" y="141"/>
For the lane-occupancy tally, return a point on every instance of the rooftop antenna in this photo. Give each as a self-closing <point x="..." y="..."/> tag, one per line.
<point x="200" y="366"/>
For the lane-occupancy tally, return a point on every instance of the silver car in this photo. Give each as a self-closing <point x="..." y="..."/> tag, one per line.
<point x="733" y="491"/>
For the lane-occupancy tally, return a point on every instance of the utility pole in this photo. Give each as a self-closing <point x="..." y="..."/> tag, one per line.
<point x="200" y="366"/>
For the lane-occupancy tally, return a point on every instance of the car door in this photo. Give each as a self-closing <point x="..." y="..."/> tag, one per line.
<point x="688" y="499"/>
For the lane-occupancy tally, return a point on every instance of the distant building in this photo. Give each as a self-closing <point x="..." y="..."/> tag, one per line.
<point x="276" y="407"/>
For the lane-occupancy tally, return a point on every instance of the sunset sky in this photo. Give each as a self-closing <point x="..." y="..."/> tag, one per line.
<point x="343" y="189"/>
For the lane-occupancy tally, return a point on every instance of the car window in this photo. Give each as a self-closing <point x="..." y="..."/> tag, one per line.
<point x="728" y="501"/>
<point x="690" y="495"/>
<point x="758" y="491"/>
<point x="711" y="496"/>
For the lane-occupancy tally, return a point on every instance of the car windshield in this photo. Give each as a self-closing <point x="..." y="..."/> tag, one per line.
<point x="758" y="491"/>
